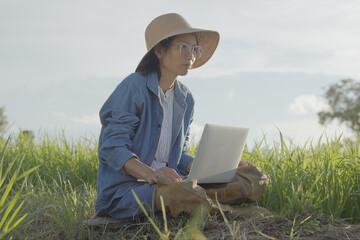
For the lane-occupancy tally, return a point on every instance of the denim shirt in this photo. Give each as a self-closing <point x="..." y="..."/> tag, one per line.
<point x="131" y="121"/>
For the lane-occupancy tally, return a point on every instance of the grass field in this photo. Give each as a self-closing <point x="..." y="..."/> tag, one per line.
<point x="48" y="187"/>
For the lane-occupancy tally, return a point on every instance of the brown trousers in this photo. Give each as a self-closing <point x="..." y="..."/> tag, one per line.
<point x="248" y="186"/>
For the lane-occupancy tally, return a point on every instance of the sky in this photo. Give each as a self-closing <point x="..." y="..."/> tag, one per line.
<point x="60" y="60"/>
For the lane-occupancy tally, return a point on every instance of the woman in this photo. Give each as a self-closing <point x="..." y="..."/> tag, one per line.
<point x="145" y="121"/>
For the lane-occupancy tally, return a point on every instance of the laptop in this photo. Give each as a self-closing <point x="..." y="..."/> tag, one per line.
<point x="218" y="154"/>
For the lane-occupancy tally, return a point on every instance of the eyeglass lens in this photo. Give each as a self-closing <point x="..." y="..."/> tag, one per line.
<point x="186" y="49"/>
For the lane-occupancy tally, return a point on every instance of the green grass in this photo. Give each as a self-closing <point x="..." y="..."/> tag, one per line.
<point x="48" y="187"/>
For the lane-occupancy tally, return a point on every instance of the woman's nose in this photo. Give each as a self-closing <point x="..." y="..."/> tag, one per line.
<point x="191" y="56"/>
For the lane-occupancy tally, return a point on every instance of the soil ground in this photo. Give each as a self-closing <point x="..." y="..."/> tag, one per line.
<point x="248" y="229"/>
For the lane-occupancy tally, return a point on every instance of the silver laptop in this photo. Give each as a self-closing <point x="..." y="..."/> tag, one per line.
<point x="218" y="154"/>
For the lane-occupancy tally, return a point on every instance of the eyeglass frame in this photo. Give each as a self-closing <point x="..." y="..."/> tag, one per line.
<point x="190" y="50"/>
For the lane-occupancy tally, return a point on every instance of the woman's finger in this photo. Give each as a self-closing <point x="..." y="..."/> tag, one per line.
<point x="169" y="173"/>
<point x="243" y="163"/>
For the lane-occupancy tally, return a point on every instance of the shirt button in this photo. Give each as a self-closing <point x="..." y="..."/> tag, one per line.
<point x="154" y="146"/>
<point x="159" y="125"/>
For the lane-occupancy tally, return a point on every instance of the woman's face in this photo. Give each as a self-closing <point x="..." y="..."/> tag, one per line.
<point x="172" y="63"/>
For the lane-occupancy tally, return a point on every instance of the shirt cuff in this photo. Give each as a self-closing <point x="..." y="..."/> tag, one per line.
<point x="186" y="158"/>
<point x="120" y="158"/>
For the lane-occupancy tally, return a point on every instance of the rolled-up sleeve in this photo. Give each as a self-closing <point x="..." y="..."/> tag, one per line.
<point x="119" y="119"/>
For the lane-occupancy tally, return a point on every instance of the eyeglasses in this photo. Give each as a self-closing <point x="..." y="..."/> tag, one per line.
<point x="186" y="49"/>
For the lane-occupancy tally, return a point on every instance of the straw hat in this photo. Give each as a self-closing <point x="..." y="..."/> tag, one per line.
<point x="172" y="24"/>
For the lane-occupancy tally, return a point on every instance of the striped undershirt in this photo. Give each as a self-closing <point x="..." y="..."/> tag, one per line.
<point x="163" y="149"/>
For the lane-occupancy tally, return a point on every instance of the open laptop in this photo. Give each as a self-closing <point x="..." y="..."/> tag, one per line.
<point x="218" y="154"/>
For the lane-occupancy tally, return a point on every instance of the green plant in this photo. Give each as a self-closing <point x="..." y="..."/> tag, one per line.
<point x="9" y="207"/>
<point x="319" y="178"/>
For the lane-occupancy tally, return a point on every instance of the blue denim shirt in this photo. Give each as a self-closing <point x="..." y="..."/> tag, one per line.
<point x="131" y="121"/>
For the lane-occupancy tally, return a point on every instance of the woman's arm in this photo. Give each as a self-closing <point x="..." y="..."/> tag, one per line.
<point x="119" y="119"/>
<point x="136" y="168"/>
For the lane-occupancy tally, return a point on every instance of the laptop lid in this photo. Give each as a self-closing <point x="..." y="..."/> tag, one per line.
<point x="218" y="154"/>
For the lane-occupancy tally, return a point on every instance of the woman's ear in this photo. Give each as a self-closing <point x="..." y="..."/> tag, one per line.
<point x="159" y="51"/>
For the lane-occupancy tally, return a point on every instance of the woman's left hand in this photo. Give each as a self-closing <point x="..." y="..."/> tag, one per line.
<point x="242" y="163"/>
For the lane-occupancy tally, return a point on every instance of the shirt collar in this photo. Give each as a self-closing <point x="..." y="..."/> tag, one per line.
<point x="153" y="85"/>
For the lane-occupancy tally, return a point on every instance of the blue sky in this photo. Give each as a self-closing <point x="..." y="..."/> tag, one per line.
<point x="60" y="60"/>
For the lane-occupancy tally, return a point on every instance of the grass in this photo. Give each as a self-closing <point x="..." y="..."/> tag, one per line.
<point x="48" y="187"/>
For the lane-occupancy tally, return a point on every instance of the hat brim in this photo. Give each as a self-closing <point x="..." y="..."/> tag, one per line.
<point x="207" y="39"/>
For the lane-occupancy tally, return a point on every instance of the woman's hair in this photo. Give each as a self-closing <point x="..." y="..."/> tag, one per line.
<point x="151" y="61"/>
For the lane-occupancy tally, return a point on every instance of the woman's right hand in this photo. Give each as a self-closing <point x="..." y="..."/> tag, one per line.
<point x="164" y="172"/>
<point x="139" y="170"/>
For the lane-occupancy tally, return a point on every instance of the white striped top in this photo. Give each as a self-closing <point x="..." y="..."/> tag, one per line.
<point x="163" y="149"/>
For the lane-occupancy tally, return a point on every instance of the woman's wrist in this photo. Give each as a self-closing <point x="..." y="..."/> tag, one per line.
<point x="137" y="169"/>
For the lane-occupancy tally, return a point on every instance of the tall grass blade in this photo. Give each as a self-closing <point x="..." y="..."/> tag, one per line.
<point x="8" y="169"/>
<point x="224" y="217"/>
<point x="8" y="189"/>
<point x="8" y="210"/>
<point x="8" y="226"/>
<point x="158" y="231"/>
<point x="8" y="203"/>
<point x="164" y="215"/>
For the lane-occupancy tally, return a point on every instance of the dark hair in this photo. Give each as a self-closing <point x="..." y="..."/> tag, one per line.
<point x="151" y="62"/>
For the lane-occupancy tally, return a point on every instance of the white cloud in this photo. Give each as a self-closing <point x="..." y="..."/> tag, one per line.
<point x="305" y="104"/>
<point x="58" y="114"/>
<point x="88" y="119"/>
<point x="304" y="36"/>
<point x="41" y="47"/>
<point x="230" y="94"/>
